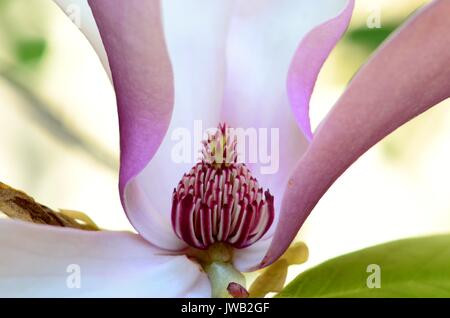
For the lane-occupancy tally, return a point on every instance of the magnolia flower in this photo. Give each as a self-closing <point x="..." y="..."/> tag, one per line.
<point x="222" y="61"/>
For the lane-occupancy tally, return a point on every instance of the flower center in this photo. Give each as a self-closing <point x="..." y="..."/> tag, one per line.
<point x="219" y="200"/>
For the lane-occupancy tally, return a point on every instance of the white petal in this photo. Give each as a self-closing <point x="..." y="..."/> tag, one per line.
<point x="42" y="261"/>
<point x="155" y="227"/>
<point x="247" y="259"/>
<point x="81" y="15"/>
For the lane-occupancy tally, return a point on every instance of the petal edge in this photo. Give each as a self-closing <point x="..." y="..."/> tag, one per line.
<point x="417" y="65"/>
<point x="308" y="61"/>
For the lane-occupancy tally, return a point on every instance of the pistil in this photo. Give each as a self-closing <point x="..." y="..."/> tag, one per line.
<point x="218" y="206"/>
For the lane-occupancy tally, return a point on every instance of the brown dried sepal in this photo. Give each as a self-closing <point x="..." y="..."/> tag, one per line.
<point x="18" y="205"/>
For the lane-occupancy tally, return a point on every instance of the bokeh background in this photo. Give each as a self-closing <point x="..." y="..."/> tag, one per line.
<point x="59" y="134"/>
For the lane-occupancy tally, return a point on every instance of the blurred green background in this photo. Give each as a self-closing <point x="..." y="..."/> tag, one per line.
<point x="59" y="139"/>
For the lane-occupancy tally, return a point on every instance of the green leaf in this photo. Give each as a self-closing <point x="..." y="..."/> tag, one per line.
<point x="418" y="267"/>
<point x="370" y="39"/>
<point x="30" y="51"/>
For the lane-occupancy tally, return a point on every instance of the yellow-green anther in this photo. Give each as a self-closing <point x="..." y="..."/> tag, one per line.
<point x="273" y="278"/>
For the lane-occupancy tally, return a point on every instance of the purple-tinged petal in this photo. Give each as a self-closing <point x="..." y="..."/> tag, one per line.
<point x="142" y="74"/>
<point x="133" y="37"/>
<point x="407" y="76"/>
<point x="308" y="61"/>
<point x="44" y="261"/>
<point x="195" y="32"/>
<point x="263" y="38"/>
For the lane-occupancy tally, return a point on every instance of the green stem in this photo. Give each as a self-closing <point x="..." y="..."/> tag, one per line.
<point x="221" y="274"/>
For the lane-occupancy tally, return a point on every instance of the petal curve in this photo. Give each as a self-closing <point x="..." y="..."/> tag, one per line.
<point x="142" y="75"/>
<point x="263" y="38"/>
<point x="38" y="261"/>
<point x="407" y="76"/>
<point x="308" y="61"/>
<point x="195" y="32"/>
<point x="133" y="36"/>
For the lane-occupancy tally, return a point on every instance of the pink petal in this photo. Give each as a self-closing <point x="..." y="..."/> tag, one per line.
<point x="407" y="76"/>
<point x="263" y="38"/>
<point x="142" y="74"/>
<point x="308" y="61"/>
<point x="195" y="33"/>
<point x="39" y="260"/>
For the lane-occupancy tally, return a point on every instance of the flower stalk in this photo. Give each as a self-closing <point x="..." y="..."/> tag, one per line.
<point x="217" y="262"/>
